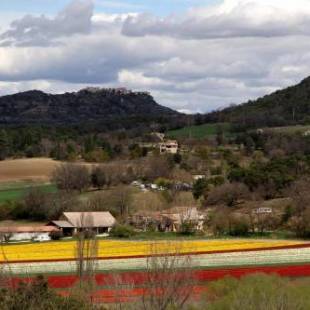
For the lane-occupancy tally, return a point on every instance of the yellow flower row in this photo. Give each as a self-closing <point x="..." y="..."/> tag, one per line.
<point x="110" y="248"/>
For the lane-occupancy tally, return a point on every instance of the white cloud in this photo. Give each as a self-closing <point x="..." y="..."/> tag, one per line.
<point x="233" y="18"/>
<point x="185" y="68"/>
<point x="41" y="30"/>
<point x="113" y="4"/>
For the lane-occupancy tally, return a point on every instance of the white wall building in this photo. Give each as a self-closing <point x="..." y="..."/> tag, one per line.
<point x="25" y="233"/>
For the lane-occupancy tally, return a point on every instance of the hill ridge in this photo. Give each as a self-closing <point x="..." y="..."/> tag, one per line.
<point x="288" y="106"/>
<point x="103" y="105"/>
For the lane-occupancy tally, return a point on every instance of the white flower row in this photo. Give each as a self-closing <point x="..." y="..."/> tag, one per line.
<point x="254" y="258"/>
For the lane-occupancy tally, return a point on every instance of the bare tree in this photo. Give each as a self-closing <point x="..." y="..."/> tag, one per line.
<point x="118" y="200"/>
<point x="98" y="177"/>
<point x="300" y="211"/>
<point x="156" y="167"/>
<point x="86" y="253"/>
<point x="228" y="194"/>
<point x="120" y="287"/>
<point x="148" y="201"/>
<point x="70" y="177"/>
<point x="169" y="280"/>
<point x="5" y="236"/>
<point x="6" y="276"/>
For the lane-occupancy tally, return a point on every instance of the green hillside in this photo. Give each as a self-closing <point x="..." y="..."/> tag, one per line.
<point x="286" y="107"/>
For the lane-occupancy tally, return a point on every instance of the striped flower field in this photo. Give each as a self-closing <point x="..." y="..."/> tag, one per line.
<point x="127" y="260"/>
<point x="53" y="251"/>
<point x="261" y="257"/>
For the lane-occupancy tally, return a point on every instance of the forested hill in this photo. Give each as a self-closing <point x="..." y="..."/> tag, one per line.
<point x="284" y="107"/>
<point x="110" y="108"/>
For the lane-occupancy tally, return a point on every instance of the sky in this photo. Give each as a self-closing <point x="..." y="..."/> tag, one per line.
<point x="192" y="55"/>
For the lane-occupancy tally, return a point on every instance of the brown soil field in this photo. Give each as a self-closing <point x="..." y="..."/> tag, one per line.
<point x="36" y="169"/>
<point x="30" y="169"/>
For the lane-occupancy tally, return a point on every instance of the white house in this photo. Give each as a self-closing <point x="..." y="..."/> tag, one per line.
<point x="21" y="233"/>
<point x="263" y="210"/>
<point x="169" y="146"/>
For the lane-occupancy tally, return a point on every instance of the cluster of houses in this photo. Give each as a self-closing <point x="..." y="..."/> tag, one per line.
<point x="101" y="223"/>
<point x="145" y="187"/>
<point x="114" y="91"/>
<point x="170" y="220"/>
<point x="165" y="146"/>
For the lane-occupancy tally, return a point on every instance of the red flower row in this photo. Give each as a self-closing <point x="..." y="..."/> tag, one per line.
<point x="138" y="278"/>
<point x="131" y="294"/>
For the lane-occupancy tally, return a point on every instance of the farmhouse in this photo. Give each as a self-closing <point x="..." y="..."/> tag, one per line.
<point x="20" y="233"/>
<point x="73" y="222"/>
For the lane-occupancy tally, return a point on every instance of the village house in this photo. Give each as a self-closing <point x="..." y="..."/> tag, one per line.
<point x="72" y="222"/>
<point x="168" y="220"/>
<point x="146" y="220"/>
<point x="26" y="233"/>
<point x="262" y="210"/>
<point x="180" y="215"/>
<point x="169" y="146"/>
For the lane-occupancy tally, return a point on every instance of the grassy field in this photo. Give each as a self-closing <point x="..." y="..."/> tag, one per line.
<point x="18" y="175"/>
<point x="198" y="132"/>
<point x="17" y="190"/>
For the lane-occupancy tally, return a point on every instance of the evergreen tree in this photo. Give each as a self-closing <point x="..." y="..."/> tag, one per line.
<point x="4" y="144"/>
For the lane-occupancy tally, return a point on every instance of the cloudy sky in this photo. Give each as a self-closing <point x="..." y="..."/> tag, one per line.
<point x="193" y="55"/>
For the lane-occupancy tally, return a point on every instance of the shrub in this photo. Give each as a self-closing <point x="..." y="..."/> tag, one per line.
<point x="239" y="227"/>
<point x="216" y="170"/>
<point x="187" y="228"/>
<point x="122" y="231"/>
<point x="162" y="182"/>
<point x="56" y="235"/>
<point x="199" y="188"/>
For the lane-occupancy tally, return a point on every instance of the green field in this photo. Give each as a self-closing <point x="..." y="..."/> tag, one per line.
<point x="199" y="132"/>
<point x="289" y="129"/>
<point x="17" y="190"/>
